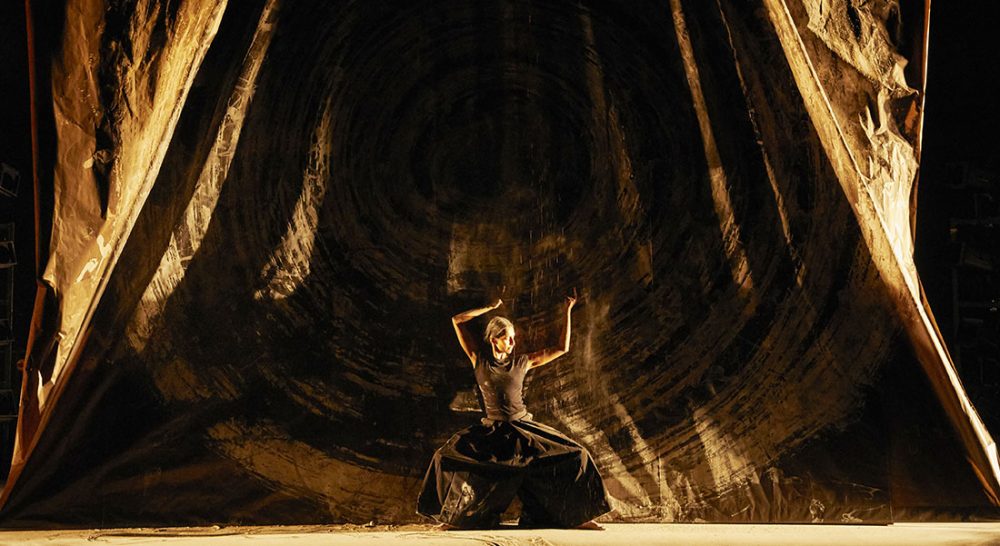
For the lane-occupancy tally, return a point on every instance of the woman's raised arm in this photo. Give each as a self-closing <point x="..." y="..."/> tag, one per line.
<point x="468" y="341"/>
<point x="539" y="358"/>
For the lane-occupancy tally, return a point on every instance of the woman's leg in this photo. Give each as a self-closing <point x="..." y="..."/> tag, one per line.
<point x="562" y="486"/>
<point x="463" y="491"/>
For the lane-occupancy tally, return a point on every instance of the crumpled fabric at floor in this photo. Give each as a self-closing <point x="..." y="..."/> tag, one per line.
<point x="474" y="477"/>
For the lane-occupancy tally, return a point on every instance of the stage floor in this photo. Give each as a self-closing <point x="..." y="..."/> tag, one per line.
<point x="902" y="534"/>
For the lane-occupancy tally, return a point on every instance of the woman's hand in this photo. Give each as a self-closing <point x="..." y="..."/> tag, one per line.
<point x="571" y="300"/>
<point x="498" y="303"/>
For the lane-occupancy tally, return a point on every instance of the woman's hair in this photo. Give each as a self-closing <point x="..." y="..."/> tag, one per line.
<point x="496" y="328"/>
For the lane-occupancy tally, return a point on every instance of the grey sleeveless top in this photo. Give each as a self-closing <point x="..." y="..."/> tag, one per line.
<point x="502" y="385"/>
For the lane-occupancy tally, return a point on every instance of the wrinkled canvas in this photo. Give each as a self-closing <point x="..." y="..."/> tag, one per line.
<point x="266" y="212"/>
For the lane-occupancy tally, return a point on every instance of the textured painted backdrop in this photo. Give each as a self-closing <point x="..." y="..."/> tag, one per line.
<point x="267" y="212"/>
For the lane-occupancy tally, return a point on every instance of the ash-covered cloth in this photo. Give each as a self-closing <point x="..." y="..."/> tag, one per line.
<point x="474" y="477"/>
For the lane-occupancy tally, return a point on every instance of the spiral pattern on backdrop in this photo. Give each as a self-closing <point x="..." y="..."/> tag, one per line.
<point x="399" y="163"/>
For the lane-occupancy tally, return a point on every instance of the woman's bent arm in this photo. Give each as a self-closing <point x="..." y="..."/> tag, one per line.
<point x="545" y="356"/>
<point x="466" y="339"/>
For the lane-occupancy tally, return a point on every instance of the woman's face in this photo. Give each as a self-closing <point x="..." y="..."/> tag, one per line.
<point x="504" y="343"/>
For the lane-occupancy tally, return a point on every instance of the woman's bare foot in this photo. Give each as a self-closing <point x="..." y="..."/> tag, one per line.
<point x="443" y="527"/>
<point x="590" y="526"/>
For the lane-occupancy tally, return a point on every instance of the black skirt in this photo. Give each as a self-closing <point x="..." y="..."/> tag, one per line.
<point x="474" y="477"/>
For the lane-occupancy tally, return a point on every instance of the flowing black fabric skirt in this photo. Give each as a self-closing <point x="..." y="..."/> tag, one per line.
<point x="474" y="477"/>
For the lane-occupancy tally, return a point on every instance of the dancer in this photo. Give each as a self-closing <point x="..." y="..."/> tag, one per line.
<point x="475" y="475"/>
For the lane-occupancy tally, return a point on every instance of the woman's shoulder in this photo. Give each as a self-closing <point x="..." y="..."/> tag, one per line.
<point x="480" y="357"/>
<point x="521" y="360"/>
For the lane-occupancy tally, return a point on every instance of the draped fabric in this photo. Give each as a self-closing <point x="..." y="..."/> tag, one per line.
<point x="472" y="479"/>
<point x="265" y="213"/>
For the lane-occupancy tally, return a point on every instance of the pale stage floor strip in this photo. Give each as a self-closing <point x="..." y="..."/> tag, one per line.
<point x="902" y="534"/>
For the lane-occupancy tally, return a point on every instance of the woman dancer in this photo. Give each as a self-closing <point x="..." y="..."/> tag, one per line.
<point x="475" y="475"/>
